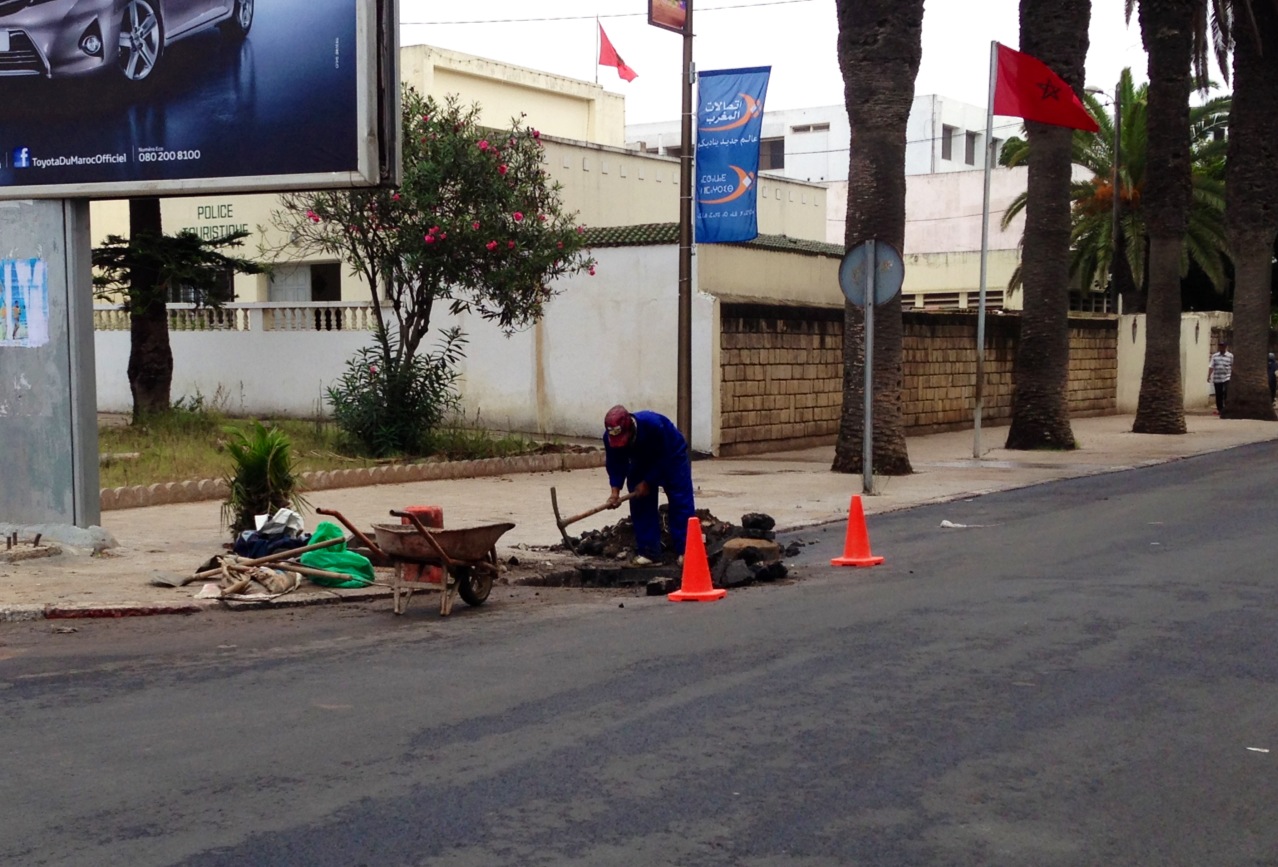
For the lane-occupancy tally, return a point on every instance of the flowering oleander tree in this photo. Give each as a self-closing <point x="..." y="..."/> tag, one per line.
<point x="476" y="225"/>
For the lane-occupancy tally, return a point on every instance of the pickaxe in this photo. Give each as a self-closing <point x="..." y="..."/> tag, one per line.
<point x="564" y="522"/>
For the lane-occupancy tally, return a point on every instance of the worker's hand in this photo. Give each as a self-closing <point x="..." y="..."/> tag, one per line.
<point x="614" y="500"/>
<point x="641" y="490"/>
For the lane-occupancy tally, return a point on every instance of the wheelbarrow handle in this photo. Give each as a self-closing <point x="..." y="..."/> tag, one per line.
<point x="355" y="531"/>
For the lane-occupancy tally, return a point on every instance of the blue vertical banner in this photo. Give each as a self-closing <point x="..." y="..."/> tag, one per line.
<point x="729" y="122"/>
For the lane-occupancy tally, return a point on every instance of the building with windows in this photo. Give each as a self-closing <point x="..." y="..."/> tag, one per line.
<point x="945" y="139"/>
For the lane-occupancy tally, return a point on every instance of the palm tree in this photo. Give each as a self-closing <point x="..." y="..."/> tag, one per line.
<point x="1054" y="31"/>
<point x="1167" y="28"/>
<point x="880" y="45"/>
<point x="1092" y="236"/>
<point x="1251" y="207"/>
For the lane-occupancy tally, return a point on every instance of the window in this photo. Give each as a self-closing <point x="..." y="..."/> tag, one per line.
<point x="811" y="127"/>
<point x="969" y="148"/>
<point x="995" y="150"/>
<point x="222" y="293"/>
<point x="674" y="152"/>
<point x="772" y="153"/>
<point x="947" y="141"/>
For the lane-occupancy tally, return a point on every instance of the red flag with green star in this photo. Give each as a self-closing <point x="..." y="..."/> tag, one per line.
<point x="1027" y="88"/>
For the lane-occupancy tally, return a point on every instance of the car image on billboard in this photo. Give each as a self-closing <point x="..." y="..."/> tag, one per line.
<point x="53" y="38"/>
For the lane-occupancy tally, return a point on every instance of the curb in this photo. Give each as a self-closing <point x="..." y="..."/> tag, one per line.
<point x="28" y="613"/>
<point x="164" y="493"/>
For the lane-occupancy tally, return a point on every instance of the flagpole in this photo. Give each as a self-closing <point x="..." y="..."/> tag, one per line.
<point x="596" y="49"/>
<point x="985" y="249"/>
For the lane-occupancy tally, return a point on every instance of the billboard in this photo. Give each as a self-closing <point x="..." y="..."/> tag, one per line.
<point x="668" y="14"/>
<point x="145" y="97"/>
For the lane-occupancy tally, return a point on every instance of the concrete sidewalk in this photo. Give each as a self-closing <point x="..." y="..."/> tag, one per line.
<point x="796" y="488"/>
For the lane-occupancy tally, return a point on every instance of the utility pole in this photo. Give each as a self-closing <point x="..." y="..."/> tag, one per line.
<point x="686" y="148"/>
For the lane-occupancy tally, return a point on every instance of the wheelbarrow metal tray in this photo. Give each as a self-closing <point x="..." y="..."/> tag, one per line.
<point x="465" y="544"/>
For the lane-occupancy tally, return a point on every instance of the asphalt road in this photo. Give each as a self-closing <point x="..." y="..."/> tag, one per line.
<point x="1084" y="674"/>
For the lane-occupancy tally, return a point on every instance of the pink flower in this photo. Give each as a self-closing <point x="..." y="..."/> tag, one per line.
<point x="443" y="235"/>
<point x="372" y="368"/>
<point x="425" y="118"/>
<point x="510" y="245"/>
<point x="536" y="134"/>
<point x="312" y="216"/>
<point x="560" y="245"/>
<point x="434" y="229"/>
<point x="519" y="216"/>
<point x="541" y="217"/>
<point x="483" y="144"/>
<point x="429" y="239"/>
<point x="592" y="270"/>
<point x="501" y="169"/>
<point x="395" y="197"/>
<point x="475" y="225"/>
<point x="491" y="245"/>
<point x="581" y="230"/>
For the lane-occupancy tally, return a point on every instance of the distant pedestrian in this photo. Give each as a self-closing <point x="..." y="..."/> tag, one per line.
<point x="1273" y="377"/>
<point x="1219" y="370"/>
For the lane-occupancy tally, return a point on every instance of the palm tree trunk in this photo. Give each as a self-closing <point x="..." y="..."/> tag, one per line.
<point x="150" y="355"/>
<point x="1167" y="29"/>
<point x="880" y="45"/>
<point x="1054" y="31"/>
<point x="1161" y="406"/>
<point x="1251" y="207"/>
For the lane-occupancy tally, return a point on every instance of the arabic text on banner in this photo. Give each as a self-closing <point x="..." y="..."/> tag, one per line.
<point x="729" y="122"/>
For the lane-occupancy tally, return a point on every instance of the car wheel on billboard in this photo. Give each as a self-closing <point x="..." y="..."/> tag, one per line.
<point x="141" y="40"/>
<point x="241" y="20"/>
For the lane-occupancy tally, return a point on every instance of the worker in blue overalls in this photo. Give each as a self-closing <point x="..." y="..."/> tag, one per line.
<point x="645" y="451"/>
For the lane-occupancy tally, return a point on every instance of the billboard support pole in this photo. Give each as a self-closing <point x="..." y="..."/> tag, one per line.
<point x="686" y="149"/>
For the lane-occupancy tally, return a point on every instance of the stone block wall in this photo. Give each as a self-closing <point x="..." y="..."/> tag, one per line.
<point x="782" y="376"/>
<point x="782" y="373"/>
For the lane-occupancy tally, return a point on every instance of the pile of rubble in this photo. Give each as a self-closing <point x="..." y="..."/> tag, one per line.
<point x="737" y="554"/>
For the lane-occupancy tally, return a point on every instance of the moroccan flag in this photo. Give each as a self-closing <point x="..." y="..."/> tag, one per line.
<point x="608" y="56"/>
<point x="1028" y="88"/>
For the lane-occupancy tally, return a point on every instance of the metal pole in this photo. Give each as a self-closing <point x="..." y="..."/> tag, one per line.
<point x="979" y="402"/>
<point x="684" y="392"/>
<point x="867" y="440"/>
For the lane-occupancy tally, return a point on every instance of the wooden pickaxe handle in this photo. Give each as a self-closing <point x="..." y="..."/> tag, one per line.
<point x="561" y="523"/>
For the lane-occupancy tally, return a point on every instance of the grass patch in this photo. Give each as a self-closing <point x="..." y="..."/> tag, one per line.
<point x="189" y="443"/>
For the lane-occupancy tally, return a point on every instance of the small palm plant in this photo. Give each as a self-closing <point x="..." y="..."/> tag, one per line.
<point x="264" y="478"/>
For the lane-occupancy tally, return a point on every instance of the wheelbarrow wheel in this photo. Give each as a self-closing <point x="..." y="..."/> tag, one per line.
<point x="473" y="585"/>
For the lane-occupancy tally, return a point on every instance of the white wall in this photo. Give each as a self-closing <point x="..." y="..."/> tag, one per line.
<point x="274" y="373"/>
<point x="607" y="339"/>
<point x="1195" y="351"/>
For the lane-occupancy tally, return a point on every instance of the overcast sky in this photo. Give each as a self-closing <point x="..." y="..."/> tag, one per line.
<point x="795" y="37"/>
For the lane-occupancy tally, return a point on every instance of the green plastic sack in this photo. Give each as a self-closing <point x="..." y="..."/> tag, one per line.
<point x="336" y="558"/>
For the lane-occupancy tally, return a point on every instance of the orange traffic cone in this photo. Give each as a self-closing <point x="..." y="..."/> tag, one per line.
<point x="696" y="585"/>
<point x="856" y="549"/>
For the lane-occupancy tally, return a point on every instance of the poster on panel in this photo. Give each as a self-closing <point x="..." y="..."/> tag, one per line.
<point x="729" y="122"/>
<point x="668" y="14"/>
<point x="137" y="97"/>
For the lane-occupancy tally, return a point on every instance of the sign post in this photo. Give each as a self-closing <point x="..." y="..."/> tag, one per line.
<point x="870" y="274"/>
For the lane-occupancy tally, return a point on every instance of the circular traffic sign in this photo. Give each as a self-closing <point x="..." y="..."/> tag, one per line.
<point x="889" y="272"/>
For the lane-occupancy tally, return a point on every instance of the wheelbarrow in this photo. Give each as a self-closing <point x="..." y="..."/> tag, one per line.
<point x="467" y="556"/>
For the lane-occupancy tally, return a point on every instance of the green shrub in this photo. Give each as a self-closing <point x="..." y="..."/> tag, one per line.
<point x="264" y="476"/>
<point x="387" y="405"/>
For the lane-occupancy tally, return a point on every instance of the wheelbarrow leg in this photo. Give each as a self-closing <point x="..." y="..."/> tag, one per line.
<point x="446" y="593"/>
<point x="399" y="591"/>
